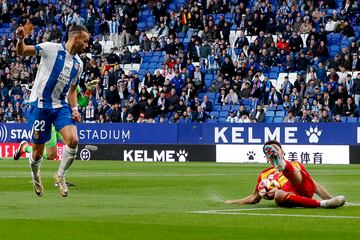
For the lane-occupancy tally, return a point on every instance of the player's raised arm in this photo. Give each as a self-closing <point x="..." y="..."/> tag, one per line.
<point x="21" y="48"/>
<point x="251" y="199"/>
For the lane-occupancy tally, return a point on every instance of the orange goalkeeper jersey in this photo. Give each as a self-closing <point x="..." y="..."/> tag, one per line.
<point x="273" y="173"/>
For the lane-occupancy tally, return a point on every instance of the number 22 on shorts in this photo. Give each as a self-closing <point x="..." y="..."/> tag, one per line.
<point x="39" y="126"/>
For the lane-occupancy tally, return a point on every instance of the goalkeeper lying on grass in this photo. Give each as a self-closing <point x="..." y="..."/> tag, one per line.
<point x="294" y="186"/>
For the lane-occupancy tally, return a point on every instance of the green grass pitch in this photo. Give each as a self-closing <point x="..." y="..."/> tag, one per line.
<point x="127" y="200"/>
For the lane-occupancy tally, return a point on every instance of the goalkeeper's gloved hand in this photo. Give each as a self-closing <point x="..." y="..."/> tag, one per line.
<point x="91" y="85"/>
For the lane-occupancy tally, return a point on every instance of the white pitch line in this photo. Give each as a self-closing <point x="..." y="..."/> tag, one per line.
<point x="112" y="174"/>
<point x="351" y="204"/>
<point x="276" y="214"/>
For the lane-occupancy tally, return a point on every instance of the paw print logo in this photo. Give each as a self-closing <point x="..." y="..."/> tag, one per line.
<point x="251" y="155"/>
<point x="182" y="155"/>
<point x="313" y="134"/>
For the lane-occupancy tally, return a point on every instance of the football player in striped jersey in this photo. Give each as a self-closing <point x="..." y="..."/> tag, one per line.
<point x="53" y="99"/>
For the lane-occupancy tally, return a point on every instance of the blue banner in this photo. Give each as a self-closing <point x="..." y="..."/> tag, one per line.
<point x="106" y="133"/>
<point x="300" y="133"/>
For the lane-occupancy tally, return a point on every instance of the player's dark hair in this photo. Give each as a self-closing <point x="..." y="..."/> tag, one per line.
<point x="272" y="142"/>
<point x="77" y="29"/>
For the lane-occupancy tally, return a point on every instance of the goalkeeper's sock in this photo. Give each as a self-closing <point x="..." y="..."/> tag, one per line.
<point x="67" y="159"/>
<point x="45" y="155"/>
<point x="27" y="149"/>
<point x="299" y="201"/>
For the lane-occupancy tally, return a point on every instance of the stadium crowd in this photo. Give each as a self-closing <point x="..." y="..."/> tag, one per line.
<point x="205" y="72"/>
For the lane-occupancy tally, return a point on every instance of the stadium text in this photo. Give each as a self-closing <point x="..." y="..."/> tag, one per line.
<point x="102" y="134"/>
<point x="20" y="134"/>
<point x="236" y="134"/>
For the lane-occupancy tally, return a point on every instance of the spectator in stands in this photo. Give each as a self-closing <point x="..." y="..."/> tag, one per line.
<point x="200" y="115"/>
<point x="162" y="103"/>
<point x="146" y="44"/>
<point x="29" y="27"/>
<point x="90" y="113"/>
<point x="274" y="98"/>
<point x="356" y="90"/>
<point x="355" y="61"/>
<point x="295" y="44"/>
<point x="286" y="87"/>
<point x="159" y="10"/>
<point x="258" y="115"/>
<point x="244" y="118"/>
<point x="231" y="98"/>
<point x="290" y="118"/>
<point x="108" y="9"/>
<point x="339" y="108"/>
<point x="337" y="118"/>
<point x="232" y="118"/>
<point x="350" y="108"/>
<point x="172" y="100"/>
<point x="113" y="58"/>
<point x="162" y="31"/>
<point x="305" y="117"/>
<point x="325" y="117"/>
<point x="55" y="34"/>
<point x="125" y="56"/>
<point x="206" y="104"/>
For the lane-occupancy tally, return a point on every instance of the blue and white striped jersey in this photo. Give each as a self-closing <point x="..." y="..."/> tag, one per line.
<point x="57" y="71"/>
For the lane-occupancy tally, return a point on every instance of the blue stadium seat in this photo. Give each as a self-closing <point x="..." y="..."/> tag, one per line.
<point x="215" y="114"/>
<point x="201" y="95"/>
<point x="273" y="75"/>
<point x="142" y="71"/>
<point x="271" y="108"/>
<point x="141" y="25"/>
<point x="211" y="95"/>
<point x="280" y="114"/>
<point x="222" y="119"/>
<point x="280" y="108"/>
<point x="226" y="108"/>
<point x="154" y="59"/>
<point x="157" y="53"/>
<point x="208" y="83"/>
<point x="223" y="114"/>
<point x="278" y="119"/>
<point x="270" y="113"/>
<point x="235" y="107"/>
<point x="352" y="119"/>
<point x="144" y="66"/>
<point x="152" y="66"/>
<point x="246" y="101"/>
<point x="274" y="69"/>
<point x="146" y="60"/>
<point x="209" y="77"/>
<point x="344" y="119"/>
<point x="216" y="107"/>
<point x="269" y="119"/>
<point x="212" y="120"/>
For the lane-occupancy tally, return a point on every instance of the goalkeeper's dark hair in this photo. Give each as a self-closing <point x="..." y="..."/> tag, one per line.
<point x="272" y="142"/>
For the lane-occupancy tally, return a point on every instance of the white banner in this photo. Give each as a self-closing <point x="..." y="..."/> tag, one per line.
<point x="306" y="154"/>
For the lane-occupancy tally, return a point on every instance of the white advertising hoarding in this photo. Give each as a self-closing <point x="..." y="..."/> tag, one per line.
<point x="307" y="154"/>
